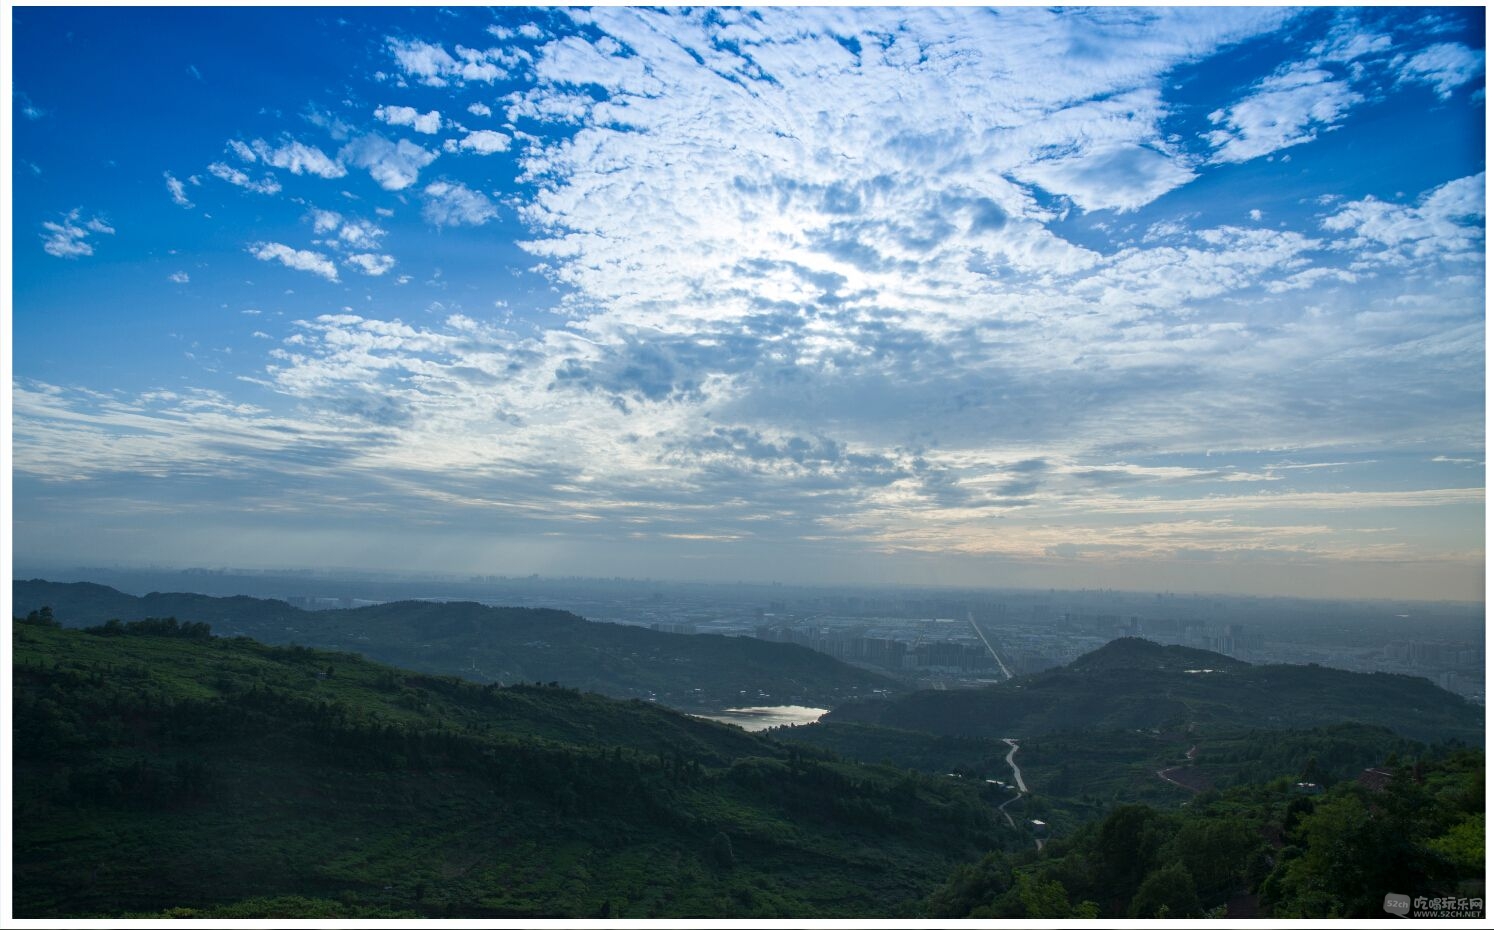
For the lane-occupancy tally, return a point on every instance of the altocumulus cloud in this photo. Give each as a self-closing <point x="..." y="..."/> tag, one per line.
<point x="70" y="237"/>
<point x="931" y="280"/>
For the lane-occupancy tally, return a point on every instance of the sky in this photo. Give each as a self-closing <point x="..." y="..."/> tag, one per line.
<point x="1146" y="298"/>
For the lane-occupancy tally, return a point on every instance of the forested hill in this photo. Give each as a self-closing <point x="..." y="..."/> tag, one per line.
<point x="161" y="771"/>
<point x="1133" y="684"/>
<point x="505" y="645"/>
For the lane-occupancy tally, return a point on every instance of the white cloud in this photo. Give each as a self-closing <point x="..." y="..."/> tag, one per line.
<point x="244" y="152"/>
<point x="395" y="166"/>
<point x="450" y="203"/>
<point x="349" y="232"/>
<point x="370" y="264"/>
<point x="178" y="191"/>
<point x="299" y="259"/>
<point x="69" y="238"/>
<point x="1288" y="108"/>
<point x="433" y="66"/>
<point x="325" y="221"/>
<point x="482" y="141"/>
<point x="266" y="185"/>
<point x="28" y="109"/>
<point x="1446" y="222"/>
<point x="479" y="109"/>
<point x="1446" y="66"/>
<point x="360" y="234"/>
<point x="427" y="123"/>
<point x="826" y="270"/>
<point x="178" y="277"/>
<point x="1123" y="177"/>
<point x="298" y="158"/>
<point x="423" y="60"/>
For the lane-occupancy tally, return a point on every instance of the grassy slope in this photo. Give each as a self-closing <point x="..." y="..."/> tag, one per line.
<point x="155" y="772"/>
<point x="1096" y="733"/>
<point x="504" y="645"/>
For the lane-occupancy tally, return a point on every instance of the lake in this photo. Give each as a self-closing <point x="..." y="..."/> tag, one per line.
<point x="753" y="719"/>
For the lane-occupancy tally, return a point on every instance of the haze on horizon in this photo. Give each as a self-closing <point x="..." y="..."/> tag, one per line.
<point x="1153" y="299"/>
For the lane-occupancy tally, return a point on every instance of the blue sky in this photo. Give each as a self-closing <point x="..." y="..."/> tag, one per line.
<point x="1148" y="298"/>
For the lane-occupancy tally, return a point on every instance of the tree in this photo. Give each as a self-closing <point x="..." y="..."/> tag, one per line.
<point x="1128" y="843"/>
<point x="1216" y="853"/>
<point x="42" y="617"/>
<point x="972" y="886"/>
<point x="1166" y="892"/>
<point x="1047" y="898"/>
<point x="721" y="852"/>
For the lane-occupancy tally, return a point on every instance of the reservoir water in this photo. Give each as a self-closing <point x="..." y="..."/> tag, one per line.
<point x="753" y="719"/>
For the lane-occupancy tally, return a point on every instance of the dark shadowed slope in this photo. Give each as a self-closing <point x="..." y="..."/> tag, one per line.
<point x="1133" y="684"/>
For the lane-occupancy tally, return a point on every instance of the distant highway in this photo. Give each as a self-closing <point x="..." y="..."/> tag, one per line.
<point x="994" y="654"/>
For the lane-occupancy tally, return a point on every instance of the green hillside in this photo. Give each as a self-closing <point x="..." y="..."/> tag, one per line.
<point x="158" y="768"/>
<point x="1260" y="851"/>
<point x="1131" y="684"/>
<point x="503" y="645"/>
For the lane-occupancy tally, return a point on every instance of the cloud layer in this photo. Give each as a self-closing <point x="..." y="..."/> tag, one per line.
<point x="1021" y="285"/>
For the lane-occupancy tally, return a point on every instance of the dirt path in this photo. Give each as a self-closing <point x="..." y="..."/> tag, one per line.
<point x="1186" y="776"/>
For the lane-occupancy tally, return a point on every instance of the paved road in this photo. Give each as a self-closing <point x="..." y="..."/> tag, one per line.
<point x="1016" y="772"/>
<point x="1002" y="807"/>
<point x="1021" y="787"/>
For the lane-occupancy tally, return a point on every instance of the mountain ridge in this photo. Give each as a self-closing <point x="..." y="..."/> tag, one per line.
<point x="504" y="645"/>
<point x="1135" y="684"/>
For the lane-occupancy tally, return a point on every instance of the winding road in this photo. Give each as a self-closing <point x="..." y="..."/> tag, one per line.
<point x="1016" y="772"/>
<point x="1021" y="788"/>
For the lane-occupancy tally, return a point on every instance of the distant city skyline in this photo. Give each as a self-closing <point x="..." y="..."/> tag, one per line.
<point x="1184" y="299"/>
